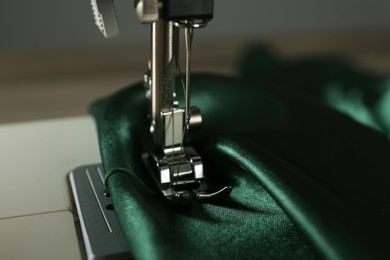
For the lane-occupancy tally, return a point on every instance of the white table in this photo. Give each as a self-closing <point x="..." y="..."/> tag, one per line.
<point x="36" y="216"/>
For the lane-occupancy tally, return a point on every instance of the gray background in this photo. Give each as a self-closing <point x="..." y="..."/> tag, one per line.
<point x="27" y="25"/>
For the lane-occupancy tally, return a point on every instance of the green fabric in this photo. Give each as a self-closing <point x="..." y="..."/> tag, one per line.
<point x="307" y="180"/>
<point x="331" y="80"/>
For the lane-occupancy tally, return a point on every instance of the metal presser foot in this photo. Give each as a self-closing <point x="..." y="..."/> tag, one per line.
<point x="180" y="176"/>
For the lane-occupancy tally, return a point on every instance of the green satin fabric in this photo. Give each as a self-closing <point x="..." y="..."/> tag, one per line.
<point x="307" y="180"/>
<point x="331" y="80"/>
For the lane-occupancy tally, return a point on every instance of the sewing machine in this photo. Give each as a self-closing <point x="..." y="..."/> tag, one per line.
<point x="176" y="169"/>
<point x="47" y="221"/>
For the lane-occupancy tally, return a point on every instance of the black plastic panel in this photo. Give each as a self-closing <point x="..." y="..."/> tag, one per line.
<point x="175" y="10"/>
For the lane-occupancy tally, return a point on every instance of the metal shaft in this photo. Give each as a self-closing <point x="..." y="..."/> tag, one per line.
<point x="164" y="50"/>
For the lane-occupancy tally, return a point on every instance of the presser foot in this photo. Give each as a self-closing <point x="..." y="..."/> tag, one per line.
<point x="179" y="175"/>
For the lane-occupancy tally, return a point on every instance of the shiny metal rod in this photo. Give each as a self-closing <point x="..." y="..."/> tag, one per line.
<point x="156" y="77"/>
<point x="188" y="33"/>
<point x="164" y="50"/>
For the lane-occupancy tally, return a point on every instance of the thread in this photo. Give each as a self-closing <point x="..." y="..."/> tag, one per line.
<point x="184" y="127"/>
<point x="133" y="177"/>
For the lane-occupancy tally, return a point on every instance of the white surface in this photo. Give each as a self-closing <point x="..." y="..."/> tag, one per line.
<point x="35" y="158"/>
<point x="48" y="236"/>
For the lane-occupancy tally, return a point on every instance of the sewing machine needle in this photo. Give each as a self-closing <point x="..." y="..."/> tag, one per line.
<point x="189" y="32"/>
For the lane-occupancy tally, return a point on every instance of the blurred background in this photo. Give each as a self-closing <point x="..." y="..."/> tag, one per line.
<point x="54" y="61"/>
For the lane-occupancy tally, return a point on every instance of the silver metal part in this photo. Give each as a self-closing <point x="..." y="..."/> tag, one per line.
<point x="147" y="10"/>
<point x="147" y="85"/>
<point x="105" y="17"/>
<point x="173" y="127"/>
<point x="196" y="119"/>
<point x="101" y="232"/>
<point x="164" y="50"/>
<point x="188" y="33"/>
<point x="180" y="176"/>
<point x="177" y="174"/>
<point x="195" y="24"/>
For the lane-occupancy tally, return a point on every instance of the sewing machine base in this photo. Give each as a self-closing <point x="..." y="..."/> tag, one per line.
<point x="101" y="233"/>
